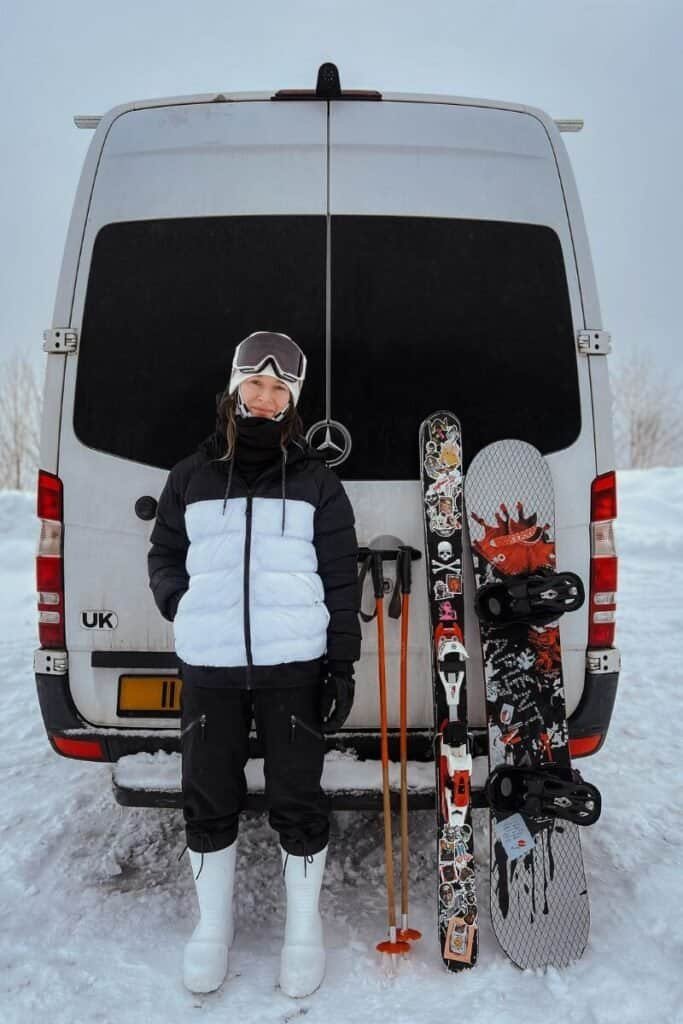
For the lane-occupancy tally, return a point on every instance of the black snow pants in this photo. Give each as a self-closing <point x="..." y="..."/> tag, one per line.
<point x="215" y="748"/>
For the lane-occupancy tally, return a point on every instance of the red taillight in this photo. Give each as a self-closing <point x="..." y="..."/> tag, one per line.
<point x="584" y="746"/>
<point x="84" y="750"/>
<point x="604" y="497"/>
<point x="603" y="602"/>
<point x="49" y="565"/>
<point x="48" y="575"/>
<point x="603" y="580"/>
<point x="49" y="496"/>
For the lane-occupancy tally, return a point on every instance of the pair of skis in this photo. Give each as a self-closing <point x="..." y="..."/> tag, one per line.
<point x="539" y="903"/>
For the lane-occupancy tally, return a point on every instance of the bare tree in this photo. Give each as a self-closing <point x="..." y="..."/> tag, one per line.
<point x="648" y="419"/>
<point x="20" y="408"/>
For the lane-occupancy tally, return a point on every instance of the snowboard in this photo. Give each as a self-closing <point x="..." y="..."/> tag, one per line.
<point x="539" y="899"/>
<point x="441" y="476"/>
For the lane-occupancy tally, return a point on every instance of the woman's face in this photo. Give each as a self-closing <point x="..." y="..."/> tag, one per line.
<point x="264" y="396"/>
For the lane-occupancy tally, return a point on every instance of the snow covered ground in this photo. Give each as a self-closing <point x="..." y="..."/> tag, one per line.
<point x="96" y="907"/>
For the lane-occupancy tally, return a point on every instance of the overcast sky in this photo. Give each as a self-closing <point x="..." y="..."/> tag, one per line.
<point x="615" y="63"/>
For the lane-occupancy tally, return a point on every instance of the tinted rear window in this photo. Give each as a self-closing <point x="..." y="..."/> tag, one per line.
<point x="471" y="316"/>
<point x="167" y="302"/>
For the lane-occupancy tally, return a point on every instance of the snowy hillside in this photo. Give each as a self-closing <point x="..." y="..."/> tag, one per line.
<point x="96" y="907"/>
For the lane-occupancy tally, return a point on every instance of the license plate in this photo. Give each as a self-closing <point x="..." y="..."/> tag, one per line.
<point x="154" y="696"/>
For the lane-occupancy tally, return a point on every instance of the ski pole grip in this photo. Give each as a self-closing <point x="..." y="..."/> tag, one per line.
<point x="377" y="574"/>
<point x="406" y="568"/>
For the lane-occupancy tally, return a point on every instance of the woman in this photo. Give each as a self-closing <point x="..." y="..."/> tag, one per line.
<point x="253" y="559"/>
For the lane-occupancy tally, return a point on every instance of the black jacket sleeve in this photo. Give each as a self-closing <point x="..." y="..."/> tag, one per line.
<point x="168" y="577"/>
<point x="337" y="550"/>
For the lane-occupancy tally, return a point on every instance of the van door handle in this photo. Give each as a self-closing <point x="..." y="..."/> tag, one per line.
<point x="146" y="507"/>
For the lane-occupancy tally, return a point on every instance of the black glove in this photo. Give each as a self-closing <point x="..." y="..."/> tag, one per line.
<point x="336" y="691"/>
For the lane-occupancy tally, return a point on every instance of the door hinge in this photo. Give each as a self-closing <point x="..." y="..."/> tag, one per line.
<point x="51" y="663"/>
<point x="601" y="662"/>
<point x="594" y="343"/>
<point x="60" y="339"/>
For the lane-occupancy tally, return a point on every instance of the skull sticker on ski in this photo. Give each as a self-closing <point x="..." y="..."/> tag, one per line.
<point x="441" y="474"/>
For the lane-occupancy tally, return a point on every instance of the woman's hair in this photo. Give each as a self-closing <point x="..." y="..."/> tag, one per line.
<point x="226" y="423"/>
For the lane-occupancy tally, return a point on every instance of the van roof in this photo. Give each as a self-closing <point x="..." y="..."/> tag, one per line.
<point x="93" y="121"/>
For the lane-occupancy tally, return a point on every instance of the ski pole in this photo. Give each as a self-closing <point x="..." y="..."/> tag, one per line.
<point x="404" y="570"/>
<point x="393" y="944"/>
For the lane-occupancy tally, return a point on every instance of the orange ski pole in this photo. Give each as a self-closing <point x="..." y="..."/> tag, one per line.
<point x="393" y="944"/>
<point x="404" y="569"/>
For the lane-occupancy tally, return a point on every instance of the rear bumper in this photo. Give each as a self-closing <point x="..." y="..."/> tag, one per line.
<point x="345" y="782"/>
<point x="594" y="713"/>
<point x="62" y="721"/>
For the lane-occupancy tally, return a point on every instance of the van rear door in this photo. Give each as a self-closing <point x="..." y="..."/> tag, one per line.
<point x="454" y="286"/>
<point x="205" y="221"/>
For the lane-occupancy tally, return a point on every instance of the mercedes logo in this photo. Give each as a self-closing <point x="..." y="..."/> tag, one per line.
<point x="331" y="439"/>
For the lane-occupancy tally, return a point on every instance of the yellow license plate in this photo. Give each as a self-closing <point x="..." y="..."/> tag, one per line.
<point x="149" y="695"/>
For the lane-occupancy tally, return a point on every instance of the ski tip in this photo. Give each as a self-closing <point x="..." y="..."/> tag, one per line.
<point x="439" y="414"/>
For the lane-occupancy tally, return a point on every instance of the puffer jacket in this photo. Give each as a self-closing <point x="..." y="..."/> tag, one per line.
<point x="256" y="579"/>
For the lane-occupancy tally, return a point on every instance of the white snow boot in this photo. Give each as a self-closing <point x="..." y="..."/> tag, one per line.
<point x="205" y="962"/>
<point x="302" y="964"/>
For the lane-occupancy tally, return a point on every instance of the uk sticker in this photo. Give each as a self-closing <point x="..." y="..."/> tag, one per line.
<point x="95" y="618"/>
<point x="514" y="836"/>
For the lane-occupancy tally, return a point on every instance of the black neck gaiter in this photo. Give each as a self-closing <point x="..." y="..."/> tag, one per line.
<point x="258" y="445"/>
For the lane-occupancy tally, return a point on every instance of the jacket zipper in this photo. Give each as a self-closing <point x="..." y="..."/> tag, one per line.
<point x="247" y="557"/>
<point x="247" y="622"/>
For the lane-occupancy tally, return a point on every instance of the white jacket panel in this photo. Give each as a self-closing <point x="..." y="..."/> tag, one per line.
<point x="287" y="614"/>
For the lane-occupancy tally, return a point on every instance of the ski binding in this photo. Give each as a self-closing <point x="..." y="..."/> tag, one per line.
<point x="455" y="768"/>
<point x="450" y="660"/>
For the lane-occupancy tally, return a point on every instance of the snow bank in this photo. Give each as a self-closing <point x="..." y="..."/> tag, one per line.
<point x="97" y="906"/>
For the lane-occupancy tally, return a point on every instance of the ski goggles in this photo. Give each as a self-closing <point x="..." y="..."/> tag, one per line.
<point x="252" y="354"/>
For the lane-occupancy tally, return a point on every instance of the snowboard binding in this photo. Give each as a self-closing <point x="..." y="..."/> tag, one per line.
<point x="536" y="599"/>
<point x="540" y="793"/>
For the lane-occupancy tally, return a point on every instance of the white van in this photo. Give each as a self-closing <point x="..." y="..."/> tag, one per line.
<point x="426" y="252"/>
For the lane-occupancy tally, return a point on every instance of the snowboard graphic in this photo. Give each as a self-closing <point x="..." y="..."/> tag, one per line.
<point x="441" y="475"/>
<point x="539" y="901"/>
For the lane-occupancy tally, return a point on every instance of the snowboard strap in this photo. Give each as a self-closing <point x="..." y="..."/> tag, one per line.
<point x="533" y="598"/>
<point x="541" y="793"/>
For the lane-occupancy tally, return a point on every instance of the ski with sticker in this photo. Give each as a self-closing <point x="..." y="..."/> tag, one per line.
<point x="441" y="476"/>
<point x="539" y="900"/>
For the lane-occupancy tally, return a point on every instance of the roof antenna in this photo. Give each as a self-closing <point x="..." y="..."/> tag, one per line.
<point x="328" y="86"/>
